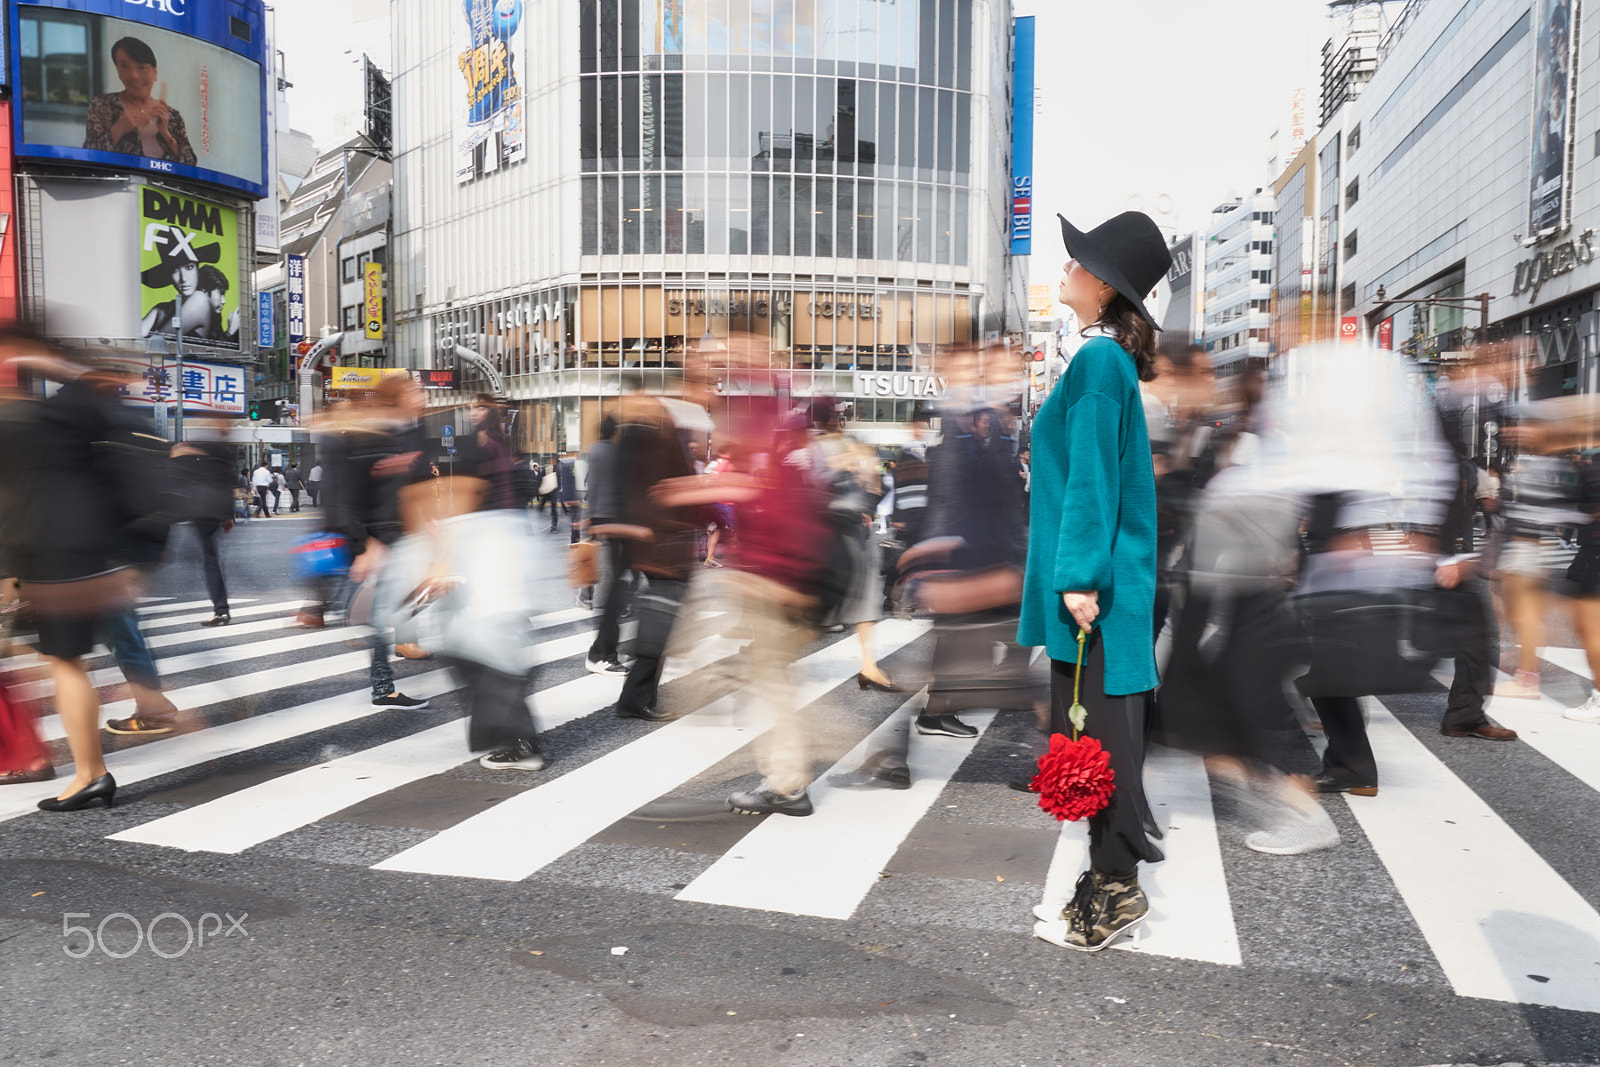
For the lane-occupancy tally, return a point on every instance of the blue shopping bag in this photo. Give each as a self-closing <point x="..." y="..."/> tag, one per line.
<point x="321" y="555"/>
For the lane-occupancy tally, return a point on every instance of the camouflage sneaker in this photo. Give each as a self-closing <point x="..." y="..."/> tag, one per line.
<point x="1103" y="906"/>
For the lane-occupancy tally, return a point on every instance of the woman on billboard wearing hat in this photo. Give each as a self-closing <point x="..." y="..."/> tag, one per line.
<point x="1092" y="556"/>
<point x="180" y="267"/>
<point x="137" y="121"/>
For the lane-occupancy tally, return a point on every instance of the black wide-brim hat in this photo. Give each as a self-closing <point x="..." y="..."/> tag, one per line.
<point x="160" y="275"/>
<point x="1127" y="252"/>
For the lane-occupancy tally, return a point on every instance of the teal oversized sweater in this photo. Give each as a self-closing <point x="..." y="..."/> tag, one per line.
<point x="1093" y="517"/>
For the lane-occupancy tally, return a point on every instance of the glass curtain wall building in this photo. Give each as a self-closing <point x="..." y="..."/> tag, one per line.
<point x="828" y="174"/>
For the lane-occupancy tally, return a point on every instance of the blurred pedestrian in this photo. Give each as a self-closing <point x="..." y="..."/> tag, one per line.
<point x="261" y="483"/>
<point x="616" y="573"/>
<point x="203" y="479"/>
<point x="1091" y="565"/>
<point x="314" y="483"/>
<point x="376" y="452"/>
<point x="93" y="487"/>
<point x="295" y="486"/>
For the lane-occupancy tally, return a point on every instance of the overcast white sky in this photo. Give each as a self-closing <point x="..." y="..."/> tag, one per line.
<point x="1137" y="98"/>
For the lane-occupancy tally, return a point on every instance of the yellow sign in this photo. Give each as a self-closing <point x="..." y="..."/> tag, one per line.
<point x="1041" y="302"/>
<point x="362" y="377"/>
<point x="374" y="301"/>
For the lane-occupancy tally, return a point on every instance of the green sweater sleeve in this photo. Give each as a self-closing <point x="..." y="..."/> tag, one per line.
<point x="1089" y="504"/>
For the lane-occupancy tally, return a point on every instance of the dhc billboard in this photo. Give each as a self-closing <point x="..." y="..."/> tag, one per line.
<point x="166" y="87"/>
<point x="1022" y="139"/>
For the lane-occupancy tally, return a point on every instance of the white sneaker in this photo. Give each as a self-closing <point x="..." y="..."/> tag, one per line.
<point x="1300" y="829"/>
<point x="1588" y="711"/>
<point x="605" y="666"/>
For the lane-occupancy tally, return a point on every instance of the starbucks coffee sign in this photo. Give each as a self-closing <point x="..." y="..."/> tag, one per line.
<point x="1553" y="262"/>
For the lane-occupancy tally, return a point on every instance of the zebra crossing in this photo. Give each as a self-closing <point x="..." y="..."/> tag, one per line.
<point x="1501" y="921"/>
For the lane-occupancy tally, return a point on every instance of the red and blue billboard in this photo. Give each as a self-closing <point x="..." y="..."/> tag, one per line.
<point x="166" y="87"/>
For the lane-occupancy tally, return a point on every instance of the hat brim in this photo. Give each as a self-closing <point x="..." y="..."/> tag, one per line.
<point x="160" y="275"/>
<point x="1097" y="260"/>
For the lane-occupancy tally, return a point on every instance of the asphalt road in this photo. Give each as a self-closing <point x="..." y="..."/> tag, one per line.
<point x="313" y="882"/>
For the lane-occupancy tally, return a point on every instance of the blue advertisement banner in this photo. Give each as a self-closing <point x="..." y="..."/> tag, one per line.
<point x="170" y="87"/>
<point x="1022" y="140"/>
<point x="266" y="329"/>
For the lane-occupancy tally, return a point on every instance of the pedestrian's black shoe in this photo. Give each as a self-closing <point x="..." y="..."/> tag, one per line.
<point x="399" y="700"/>
<point x="1104" y="906"/>
<point x="1332" y="783"/>
<point x="945" y="725"/>
<point x="647" y="714"/>
<point x="139" y="725"/>
<point x="881" y="774"/>
<point x="763" y="801"/>
<point x="218" y="620"/>
<point x="524" y="755"/>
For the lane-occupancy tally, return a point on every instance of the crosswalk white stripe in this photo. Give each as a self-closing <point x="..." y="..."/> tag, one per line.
<point x="152" y="611"/>
<point x="1493" y="911"/>
<point x="1191" y="914"/>
<point x="246" y="818"/>
<point x="153" y="599"/>
<point x="211" y="657"/>
<point x="826" y="863"/>
<point x="1575" y="660"/>
<point x="1572" y="746"/>
<point x="29" y="660"/>
<point x="551" y="820"/>
<point x="303" y="639"/>
<point x="170" y="754"/>
<point x="240" y="820"/>
<point x="165" y="623"/>
<point x="295" y="674"/>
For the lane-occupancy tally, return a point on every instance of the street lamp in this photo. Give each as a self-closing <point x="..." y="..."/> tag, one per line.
<point x="1465" y="303"/>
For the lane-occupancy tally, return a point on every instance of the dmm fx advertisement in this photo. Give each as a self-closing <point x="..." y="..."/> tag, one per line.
<point x="188" y="268"/>
<point x="374" y="300"/>
<point x="486" y="54"/>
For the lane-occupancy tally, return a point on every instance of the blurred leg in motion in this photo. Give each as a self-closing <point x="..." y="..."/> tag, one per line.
<point x="1475" y="652"/>
<point x="78" y="704"/>
<point x="1524" y="598"/>
<point x="658" y="610"/>
<point x="499" y="717"/>
<point x="1347" y="764"/>
<point x="120" y="631"/>
<point x="616" y="591"/>
<point x="216" y="586"/>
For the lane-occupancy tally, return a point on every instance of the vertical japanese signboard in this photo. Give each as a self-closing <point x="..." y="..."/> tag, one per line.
<point x="1555" y="85"/>
<point x="266" y="328"/>
<point x="1022" y="140"/>
<point x="296" y="270"/>
<point x="486" y="55"/>
<point x="373" y="304"/>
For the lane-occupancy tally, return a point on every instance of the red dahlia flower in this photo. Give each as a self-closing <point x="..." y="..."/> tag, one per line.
<point x="1075" y="778"/>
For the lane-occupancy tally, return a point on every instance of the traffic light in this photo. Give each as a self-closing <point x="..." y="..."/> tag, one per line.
<point x="255" y="411"/>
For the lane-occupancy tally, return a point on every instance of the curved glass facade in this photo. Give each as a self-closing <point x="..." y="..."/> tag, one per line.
<point x="828" y="128"/>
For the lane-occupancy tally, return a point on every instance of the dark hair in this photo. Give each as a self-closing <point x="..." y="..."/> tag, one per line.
<point x="608" y="428"/>
<point x="212" y="280"/>
<point x="1133" y="332"/>
<point x="136" y="50"/>
<point x="495" y="424"/>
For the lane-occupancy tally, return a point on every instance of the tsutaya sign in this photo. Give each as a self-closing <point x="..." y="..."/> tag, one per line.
<point x="901" y="385"/>
<point x="1561" y="259"/>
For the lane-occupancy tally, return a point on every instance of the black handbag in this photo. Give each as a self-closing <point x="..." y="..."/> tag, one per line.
<point x="1370" y="624"/>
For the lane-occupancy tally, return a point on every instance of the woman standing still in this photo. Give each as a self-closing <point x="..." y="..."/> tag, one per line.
<point x="1092" y="554"/>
